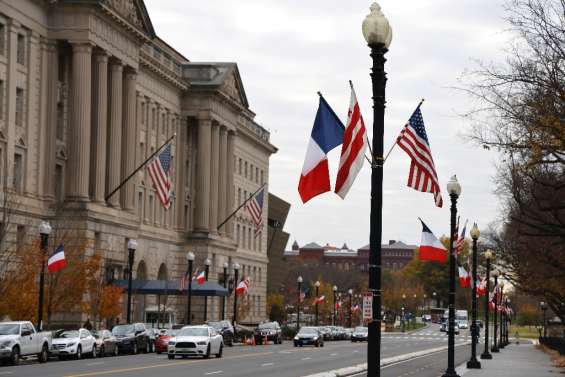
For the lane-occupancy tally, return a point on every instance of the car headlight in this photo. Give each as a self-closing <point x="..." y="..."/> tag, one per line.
<point x="296" y="338"/>
<point x="315" y="338"/>
<point x="70" y="344"/>
<point x="172" y="342"/>
<point x="5" y="344"/>
<point x="203" y="343"/>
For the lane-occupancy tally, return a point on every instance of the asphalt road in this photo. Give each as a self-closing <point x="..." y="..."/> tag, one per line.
<point x="272" y="360"/>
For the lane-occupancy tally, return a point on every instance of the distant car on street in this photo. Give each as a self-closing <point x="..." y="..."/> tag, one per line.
<point x="74" y="343"/>
<point x="162" y="340"/>
<point x="326" y="332"/>
<point x="360" y="334"/>
<point x="106" y="343"/>
<point x="132" y="338"/>
<point x="19" y="339"/>
<point x="427" y="318"/>
<point x="309" y="336"/>
<point x="271" y="331"/>
<point x="196" y="341"/>
<point x="444" y="327"/>
<point x="225" y="329"/>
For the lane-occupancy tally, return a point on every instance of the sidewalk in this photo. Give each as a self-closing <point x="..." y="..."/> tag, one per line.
<point x="515" y="360"/>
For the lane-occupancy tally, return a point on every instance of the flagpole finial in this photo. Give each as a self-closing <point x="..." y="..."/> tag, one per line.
<point x="319" y="93"/>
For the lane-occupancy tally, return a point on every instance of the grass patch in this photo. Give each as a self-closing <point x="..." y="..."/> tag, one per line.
<point x="524" y="331"/>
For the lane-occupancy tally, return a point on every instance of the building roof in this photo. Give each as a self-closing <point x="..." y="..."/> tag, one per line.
<point x="340" y="253"/>
<point x="395" y="245"/>
<point x="311" y="246"/>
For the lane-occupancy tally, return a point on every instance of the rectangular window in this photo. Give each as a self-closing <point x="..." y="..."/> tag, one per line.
<point x="243" y="237"/>
<point x="251" y="171"/>
<point x="238" y="196"/>
<point x="142" y="113"/>
<point x="20" y="236"/>
<point x="2" y="39"/>
<point x="239" y="167"/>
<point x="249" y="238"/>
<point x="59" y="183"/>
<point x="237" y="234"/>
<point x="262" y="178"/>
<point x="151" y="209"/>
<point x="140" y="204"/>
<point x="153" y="120"/>
<point x="60" y="122"/>
<point x="186" y="217"/>
<point x="256" y="175"/>
<point x="19" y="106"/>
<point x="21" y="49"/>
<point x="245" y="173"/>
<point x="97" y="241"/>
<point x="2" y="86"/>
<point x="18" y="173"/>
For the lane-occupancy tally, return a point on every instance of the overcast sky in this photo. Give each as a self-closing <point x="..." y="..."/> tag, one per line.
<point x="288" y="50"/>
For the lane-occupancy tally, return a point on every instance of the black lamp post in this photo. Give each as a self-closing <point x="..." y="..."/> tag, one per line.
<point x="501" y="335"/>
<point x="207" y="264"/>
<point x="235" y="283"/>
<point x="317" y="284"/>
<point x="543" y="307"/>
<point x="350" y="293"/>
<point x="435" y="299"/>
<point x="132" y="246"/>
<point x="403" y="317"/>
<point x="489" y="255"/>
<point x="190" y="259"/>
<point x="226" y="265"/>
<point x="424" y="307"/>
<point x="473" y="363"/>
<point x="494" y="348"/>
<point x="454" y="190"/>
<point x="44" y="232"/>
<point x="335" y="302"/>
<point x="299" y="282"/>
<point x="415" y="310"/>
<point x="378" y="34"/>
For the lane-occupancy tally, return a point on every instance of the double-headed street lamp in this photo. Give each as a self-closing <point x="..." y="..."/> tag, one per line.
<point x="132" y="246"/>
<point x="226" y="265"/>
<point x="190" y="259"/>
<point x="350" y="293"/>
<point x="543" y="307"/>
<point x="207" y="264"/>
<point x="454" y="190"/>
<point x="299" y="281"/>
<point x="317" y="285"/>
<point x="489" y="256"/>
<point x="44" y="232"/>
<point x="378" y="34"/>
<point x="494" y="348"/>
<point x="473" y="363"/>
<point x="335" y="302"/>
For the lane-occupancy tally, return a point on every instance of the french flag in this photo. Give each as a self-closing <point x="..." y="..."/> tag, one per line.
<point x="57" y="260"/>
<point x="464" y="277"/>
<point x="431" y="249"/>
<point x="201" y="278"/>
<point x="327" y="134"/>
<point x="242" y="287"/>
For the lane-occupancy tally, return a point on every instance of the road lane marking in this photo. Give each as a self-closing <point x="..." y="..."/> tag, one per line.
<point x="96" y="363"/>
<point x="215" y="372"/>
<point x="169" y="364"/>
<point x="285" y="352"/>
<point x="306" y="358"/>
<point x="267" y="364"/>
<point x="5" y="373"/>
<point x="333" y="354"/>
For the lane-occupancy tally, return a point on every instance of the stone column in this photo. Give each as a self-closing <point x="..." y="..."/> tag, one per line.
<point x="202" y="202"/>
<point x="115" y="132"/>
<point x="129" y="140"/>
<point x="99" y="124"/>
<point x="223" y="179"/>
<point x="78" y="162"/>
<point x="51" y="107"/>
<point x="229" y="184"/>
<point x="215" y="166"/>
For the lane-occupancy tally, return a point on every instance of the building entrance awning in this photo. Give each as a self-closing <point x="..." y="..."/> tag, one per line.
<point x="171" y="287"/>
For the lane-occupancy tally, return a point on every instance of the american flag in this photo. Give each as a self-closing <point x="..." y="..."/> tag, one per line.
<point x="183" y="283"/>
<point x="160" y="172"/>
<point x="460" y="241"/>
<point x="255" y="209"/>
<point x="414" y="141"/>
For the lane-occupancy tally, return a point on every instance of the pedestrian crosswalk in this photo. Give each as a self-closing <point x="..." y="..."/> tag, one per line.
<point x="428" y="336"/>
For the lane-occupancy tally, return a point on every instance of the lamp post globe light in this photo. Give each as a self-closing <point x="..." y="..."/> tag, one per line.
<point x="454" y="190"/>
<point x="299" y="281"/>
<point x="334" y="289"/>
<point x="494" y="347"/>
<point x="207" y="264"/>
<point x="235" y="283"/>
<point x="402" y="314"/>
<point x="44" y="232"/>
<point x="317" y="285"/>
<point x="543" y="307"/>
<point x="489" y="256"/>
<point x="350" y="293"/>
<point x="378" y="34"/>
<point x="501" y="330"/>
<point x="190" y="259"/>
<point x="226" y="265"/>
<point x="473" y="363"/>
<point x="132" y="247"/>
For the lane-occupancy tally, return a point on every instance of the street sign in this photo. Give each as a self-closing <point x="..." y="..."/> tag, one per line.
<point x="367" y="306"/>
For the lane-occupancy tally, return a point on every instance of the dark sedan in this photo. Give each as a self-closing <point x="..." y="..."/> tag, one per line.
<point x="106" y="343"/>
<point x="132" y="338"/>
<point x="360" y="334"/>
<point x="309" y="336"/>
<point x="225" y="329"/>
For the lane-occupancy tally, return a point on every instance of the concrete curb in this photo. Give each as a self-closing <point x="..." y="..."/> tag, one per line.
<point x="360" y="368"/>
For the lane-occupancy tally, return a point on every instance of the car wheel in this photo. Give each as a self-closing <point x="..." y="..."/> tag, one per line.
<point x="93" y="353"/>
<point x="43" y="355"/>
<point x="300" y="345"/>
<point x="171" y="357"/>
<point x="151" y="347"/>
<point x="134" y="351"/>
<point x="322" y="344"/>
<point x="15" y="356"/>
<point x="296" y="344"/>
<point x="220" y="351"/>
<point x="207" y="356"/>
<point x="79" y="353"/>
<point x="317" y="345"/>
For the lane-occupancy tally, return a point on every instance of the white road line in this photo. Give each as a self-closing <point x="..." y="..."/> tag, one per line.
<point x="96" y="363"/>
<point x="333" y="354"/>
<point x="215" y="372"/>
<point x="266" y="364"/>
<point x="5" y="373"/>
<point x="355" y="351"/>
<point x="306" y="358"/>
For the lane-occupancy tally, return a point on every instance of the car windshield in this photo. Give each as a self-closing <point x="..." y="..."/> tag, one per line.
<point x="69" y="334"/>
<point x="216" y="325"/>
<point x="308" y="331"/>
<point x="193" y="331"/>
<point x="13" y="329"/>
<point x="361" y="329"/>
<point x="269" y="325"/>
<point x="123" y="330"/>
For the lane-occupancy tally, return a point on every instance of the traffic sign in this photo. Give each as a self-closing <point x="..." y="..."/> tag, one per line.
<point x="367" y="306"/>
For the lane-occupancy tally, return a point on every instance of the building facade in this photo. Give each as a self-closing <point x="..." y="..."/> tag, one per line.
<point x="87" y="93"/>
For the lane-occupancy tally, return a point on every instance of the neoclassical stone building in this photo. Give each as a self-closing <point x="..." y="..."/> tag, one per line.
<point x="88" y="92"/>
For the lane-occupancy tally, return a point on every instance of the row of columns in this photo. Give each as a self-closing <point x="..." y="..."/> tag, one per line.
<point x="214" y="178"/>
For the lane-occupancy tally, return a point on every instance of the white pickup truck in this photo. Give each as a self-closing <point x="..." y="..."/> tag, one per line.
<point x="19" y="339"/>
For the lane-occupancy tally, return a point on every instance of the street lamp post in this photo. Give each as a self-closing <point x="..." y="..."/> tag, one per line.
<point x="44" y="232"/>
<point x="494" y="348"/>
<point x="132" y="246"/>
<point x="435" y="299"/>
<point x="207" y="264"/>
<point x="299" y="280"/>
<point x="473" y="363"/>
<point x="226" y="265"/>
<point x="350" y="293"/>
<point x="489" y="255"/>
<point x="454" y="190"/>
<point x="543" y="307"/>
<point x="335" y="302"/>
<point x="415" y="306"/>
<point x="402" y="320"/>
<point x="508" y="321"/>
<point x="424" y="308"/>
<point x="501" y="335"/>
<point x="378" y="34"/>
<point x="190" y="259"/>
<point x="317" y="284"/>
<point x="235" y="283"/>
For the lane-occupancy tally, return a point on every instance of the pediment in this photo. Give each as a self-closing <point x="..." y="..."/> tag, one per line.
<point x="233" y="87"/>
<point x="134" y="12"/>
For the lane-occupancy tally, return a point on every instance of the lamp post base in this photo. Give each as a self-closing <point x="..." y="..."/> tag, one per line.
<point x="473" y="364"/>
<point x="486" y="356"/>
<point x="494" y="349"/>
<point x="450" y="373"/>
<point x="502" y="345"/>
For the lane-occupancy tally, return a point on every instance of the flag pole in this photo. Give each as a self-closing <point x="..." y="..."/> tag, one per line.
<point x="140" y="167"/>
<point x="238" y="208"/>
<point x="396" y="142"/>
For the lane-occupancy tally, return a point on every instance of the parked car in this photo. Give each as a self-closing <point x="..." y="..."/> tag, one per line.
<point x="271" y="331"/>
<point x="463" y="324"/>
<point x="326" y="332"/>
<point x="444" y="327"/>
<point x="19" y="339"/>
<point x="225" y="329"/>
<point x="106" y="343"/>
<point x="131" y="338"/>
<point x="309" y="336"/>
<point x="162" y="340"/>
<point x="360" y="334"/>
<point x="74" y="343"/>
<point x="152" y="333"/>
<point x="348" y="332"/>
<point x="196" y="341"/>
<point x="426" y="318"/>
